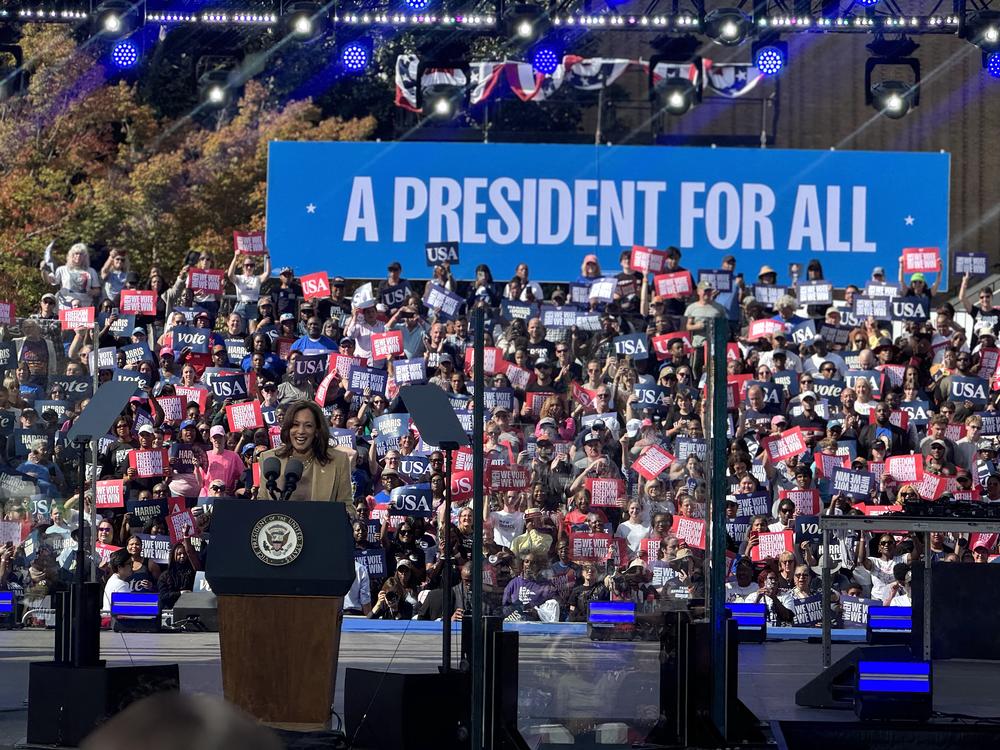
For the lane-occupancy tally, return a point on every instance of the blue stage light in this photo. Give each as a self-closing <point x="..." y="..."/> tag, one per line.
<point x="868" y="3"/>
<point x="769" y="60"/>
<point x="993" y="64"/>
<point x="354" y="57"/>
<point x="417" y="4"/>
<point x="545" y="60"/>
<point x="124" y="55"/>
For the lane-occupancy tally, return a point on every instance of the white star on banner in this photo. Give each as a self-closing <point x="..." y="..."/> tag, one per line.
<point x="909" y="221"/>
<point x="311" y="208"/>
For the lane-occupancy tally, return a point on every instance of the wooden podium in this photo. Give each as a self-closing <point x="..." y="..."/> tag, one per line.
<point x="280" y="571"/>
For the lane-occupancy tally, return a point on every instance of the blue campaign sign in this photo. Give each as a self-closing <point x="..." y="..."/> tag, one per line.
<point x="364" y="204"/>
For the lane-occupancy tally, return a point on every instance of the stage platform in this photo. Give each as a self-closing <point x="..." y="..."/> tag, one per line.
<point x="564" y="679"/>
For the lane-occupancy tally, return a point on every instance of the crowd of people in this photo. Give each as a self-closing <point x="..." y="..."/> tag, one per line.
<point x="594" y="436"/>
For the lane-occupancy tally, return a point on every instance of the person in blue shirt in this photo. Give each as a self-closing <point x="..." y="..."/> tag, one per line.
<point x="314" y="342"/>
<point x="786" y="306"/>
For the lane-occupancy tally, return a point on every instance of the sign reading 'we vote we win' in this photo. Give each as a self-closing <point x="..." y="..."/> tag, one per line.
<point x="364" y="204"/>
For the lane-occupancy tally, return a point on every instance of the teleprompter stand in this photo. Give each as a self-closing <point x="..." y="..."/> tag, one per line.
<point x="71" y="695"/>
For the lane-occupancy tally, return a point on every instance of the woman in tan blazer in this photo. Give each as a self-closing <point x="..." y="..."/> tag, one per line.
<point x="326" y="473"/>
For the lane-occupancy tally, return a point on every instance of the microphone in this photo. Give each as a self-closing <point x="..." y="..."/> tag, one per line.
<point x="293" y="472"/>
<point x="271" y="469"/>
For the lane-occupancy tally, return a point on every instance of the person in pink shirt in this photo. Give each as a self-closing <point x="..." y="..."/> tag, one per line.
<point x="223" y="465"/>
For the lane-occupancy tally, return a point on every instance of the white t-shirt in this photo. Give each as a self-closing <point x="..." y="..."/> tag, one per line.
<point x="882" y="578"/>
<point x="74" y="284"/>
<point x="506" y="526"/>
<point x="737" y="593"/>
<point x="113" y="586"/>
<point x="247" y="288"/>
<point x="633" y="534"/>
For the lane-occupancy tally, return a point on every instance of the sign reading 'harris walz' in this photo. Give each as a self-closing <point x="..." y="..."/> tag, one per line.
<point x="369" y="203"/>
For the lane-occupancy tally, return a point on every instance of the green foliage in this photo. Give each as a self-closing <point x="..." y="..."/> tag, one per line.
<point x="84" y="160"/>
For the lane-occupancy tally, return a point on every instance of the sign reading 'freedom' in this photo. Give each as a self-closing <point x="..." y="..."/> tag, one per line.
<point x="505" y="203"/>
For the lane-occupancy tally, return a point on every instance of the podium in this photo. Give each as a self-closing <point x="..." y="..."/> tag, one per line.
<point x="280" y="571"/>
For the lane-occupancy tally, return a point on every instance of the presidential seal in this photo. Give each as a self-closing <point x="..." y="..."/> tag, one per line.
<point x="277" y="539"/>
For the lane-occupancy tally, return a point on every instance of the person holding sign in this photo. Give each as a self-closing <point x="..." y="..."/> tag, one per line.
<point x="918" y="285"/>
<point x="77" y="281"/>
<point x="247" y="283"/>
<point x="882" y="565"/>
<point x="326" y="471"/>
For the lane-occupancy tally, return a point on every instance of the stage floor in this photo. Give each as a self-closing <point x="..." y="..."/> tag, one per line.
<point x="560" y="676"/>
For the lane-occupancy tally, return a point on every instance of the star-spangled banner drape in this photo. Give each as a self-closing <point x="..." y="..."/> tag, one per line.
<point x="517" y="78"/>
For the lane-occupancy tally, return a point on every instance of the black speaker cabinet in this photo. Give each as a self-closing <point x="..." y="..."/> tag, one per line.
<point x="67" y="703"/>
<point x="200" y="604"/>
<point x="391" y="711"/>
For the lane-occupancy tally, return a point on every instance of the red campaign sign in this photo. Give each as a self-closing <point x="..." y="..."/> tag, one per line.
<point x="519" y="377"/>
<point x="782" y="447"/>
<point x="583" y="396"/>
<point x="921" y="259"/>
<point x="104" y="552"/>
<point x="137" y="302"/>
<point x="733" y="352"/>
<point x="461" y="486"/>
<point x="324" y="386"/>
<point x="110" y="493"/>
<point x="981" y="539"/>
<point x="73" y="318"/>
<point x="898" y="417"/>
<point x="249" y="243"/>
<point x="771" y="544"/>
<point x="148" y="463"/>
<point x="173" y="407"/>
<point x="176" y="524"/>
<point x="7" y="313"/>
<point x="255" y="472"/>
<point x="316" y="285"/>
<point x="673" y="285"/>
<point x="274" y="436"/>
<point x="387" y="345"/>
<point x="954" y="432"/>
<point x="762" y="328"/>
<point x="690" y="531"/>
<point x="661" y="343"/>
<point x="989" y="357"/>
<point x="649" y="550"/>
<point x="932" y="486"/>
<point x="176" y="505"/>
<point x="206" y="280"/>
<point x="878" y="510"/>
<point x="504" y="478"/>
<point x="597" y="548"/>
<point x="493" y="361"/>
<point x="806" y="501"/>
<point x="244" y="416"/>
<point x="647" y="259"/>
<point x="652" y="462"/>
<point x="827" y="462"/>
<point x="606" y="492"/>
<point x="536" y="399"/>
<point x="285" y="346"/>
<point x="893" y="374"/>
<point x="907" y="469"/>
<point x="341" y="364"/>
<point x="967" y="496"/>
<point x="194" y="393"/>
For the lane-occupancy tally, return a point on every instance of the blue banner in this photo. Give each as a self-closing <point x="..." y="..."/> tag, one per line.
<point x="362" y="205"/>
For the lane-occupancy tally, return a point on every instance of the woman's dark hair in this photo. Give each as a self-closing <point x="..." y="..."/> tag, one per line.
<point x="257" y="336"/>
<point x="120" y="558"/>
<point x="486" y="272"/>
<point x="154" y="521"/>
<point x="321" y="441"/>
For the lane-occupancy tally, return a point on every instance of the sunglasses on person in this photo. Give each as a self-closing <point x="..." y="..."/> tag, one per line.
<point x="217" y="487"/>
<point x="105" y="529"/>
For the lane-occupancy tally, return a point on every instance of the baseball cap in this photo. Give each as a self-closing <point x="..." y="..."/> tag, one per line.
<point x="883" y="343"/>
<point x="765" y="270"/>
<point x="269" y="386"/>
<point x="49" y="295"/>
<point x="247" y="448"/>
<point x="939" y="442"/>
<point x="591" y="437"/>
<point x="778" y="419"/>
<point x="338" y="281"/>
<point x="729" y="259"/>
<point x="165" y="350"/>
<point x="138" y="331"/>
<point x="705" y="284"/>
<point x="532" y="512"/>
<point x="185" y="424"/>
<point x="217" y="430"/>
<point x="984" y="329"/>
<point x="632" y="427"/>
<point x="637" y="563"/>
<point x="285" y="316"/>
<point x="501" y="409"/>
<point x="986" y="445"/>
<point x="918" y="277"/>
<point x="346" y="340"/>
<point x="546" y="420"/>
<point x="284" y="270"/>
<point x="218" y="348"/>
<point x="444" y="357"/>
<point x="807" y="394"/>
<point x="878" y="271"/>
<point x="394" y="266"/>
<point x="146" y="429"/>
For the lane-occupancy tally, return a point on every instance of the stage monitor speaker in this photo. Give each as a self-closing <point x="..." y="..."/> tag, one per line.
<point x="835" y="686"/>
<point x="392" y="711"/>
<point x="201" y="605"/>
<point x="67" y="703"/>
<point x="893" y="691"/>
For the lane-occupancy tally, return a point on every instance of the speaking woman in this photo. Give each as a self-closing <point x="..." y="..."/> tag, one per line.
<point x="326" y="472"/>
